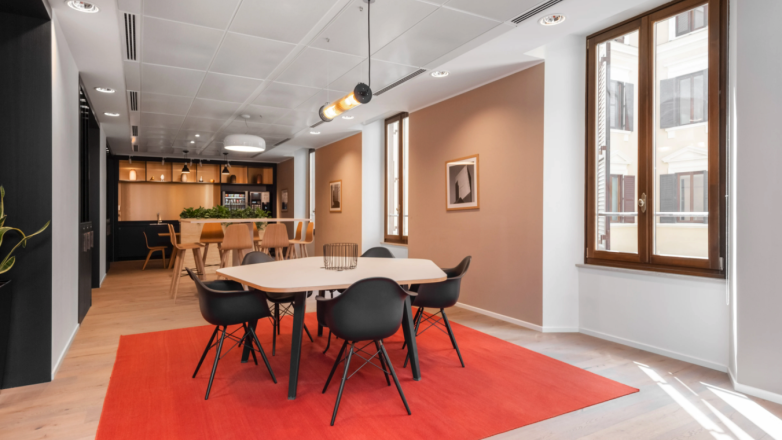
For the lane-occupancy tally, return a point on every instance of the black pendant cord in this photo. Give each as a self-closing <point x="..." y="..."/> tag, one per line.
<point x="369" y="42"/>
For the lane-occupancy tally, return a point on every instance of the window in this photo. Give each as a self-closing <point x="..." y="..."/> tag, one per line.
<point x="655" y="144"/>
<point x="312" y="185"/>
<point x="396" y="212"/>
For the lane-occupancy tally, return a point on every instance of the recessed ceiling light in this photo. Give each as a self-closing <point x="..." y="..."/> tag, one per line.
<point x="83" y="6"/>
<point x="104" y="89"/>
<point x="440" y="73"/>
<point x="85" y="106"/>
<point x="113" y="115"/>
<point x="314" y="132"/>
<point x="553" y="19"/>
<point x="198" y="135"/>
<point x="348" y="117"/>
<point x="192" y="142"/>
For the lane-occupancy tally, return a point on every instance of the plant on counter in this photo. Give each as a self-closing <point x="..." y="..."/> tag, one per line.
<point x="8" y="262"/>
<point x="221" y="212"/>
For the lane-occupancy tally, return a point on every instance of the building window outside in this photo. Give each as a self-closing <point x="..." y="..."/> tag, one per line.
<point x="396" y="184"/>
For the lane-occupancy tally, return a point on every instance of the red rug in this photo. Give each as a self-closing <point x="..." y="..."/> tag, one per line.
<point x="151" y="394"/>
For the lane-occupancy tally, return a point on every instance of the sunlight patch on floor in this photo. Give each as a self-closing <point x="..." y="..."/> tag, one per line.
<point x="751" y="410"/>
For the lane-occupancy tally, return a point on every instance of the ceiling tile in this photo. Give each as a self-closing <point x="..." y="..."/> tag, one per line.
<point x="228" y="88"/>
<point x="383" y="74"/>
<point x="284" y="95"/>
<point x="348" y="33"/>
<point x="216" y="14"/>
<point x="279" y="20"/>
<point x="170" y="80"/>
<point x="299" y="119"/>
<point x="196" y="124"/>
<point x="204" y="136"/>
<point x="207" y="108"/>
<point x="156" y="103"/>
<point x="503" y="10"/>
<point x="318" y="68"/>
<point x="435" y="36"/>
<point x="177" y="44"/>
<point x="267" y="114"/>
<point x="249" y="56"/>
<point x="152" y="120"/>
<point x="277" y="131"/>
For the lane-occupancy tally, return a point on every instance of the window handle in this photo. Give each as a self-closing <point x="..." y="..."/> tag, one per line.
<point x="642" y="203"/>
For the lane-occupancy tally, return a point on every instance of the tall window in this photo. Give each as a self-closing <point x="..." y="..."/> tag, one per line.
<point x="396" y="212"/>
<point x="311" y="188"/>
<point x="655" y="171"/>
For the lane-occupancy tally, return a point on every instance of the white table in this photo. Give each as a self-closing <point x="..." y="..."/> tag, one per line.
<point x="306" y="274"/>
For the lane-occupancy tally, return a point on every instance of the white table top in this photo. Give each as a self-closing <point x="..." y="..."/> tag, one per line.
<point x="304" y="274"/>
<point x="241" y="220"/>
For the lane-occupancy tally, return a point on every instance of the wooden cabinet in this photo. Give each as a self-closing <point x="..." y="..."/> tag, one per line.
<point x="237" y="175"/>
<point x="261" y="176"/>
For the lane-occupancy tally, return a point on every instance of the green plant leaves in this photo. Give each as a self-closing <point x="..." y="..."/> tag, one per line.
<point x="9" y="260"/>
<point x="222" y="212"/>
<point x="7" y="264"/>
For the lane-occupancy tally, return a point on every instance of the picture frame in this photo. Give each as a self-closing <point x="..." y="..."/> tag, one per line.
<point x="335" y="196"/>
<point x="284" y="200"/>
<point x="462" y="184"/>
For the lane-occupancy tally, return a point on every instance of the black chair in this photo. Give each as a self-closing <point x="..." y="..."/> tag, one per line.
<point x="223" y="308"/>
<point x="375" y="252"/>
<point x="278" y="299"/>
<point x="369" y="310"/>
<point x="439" y="296"/>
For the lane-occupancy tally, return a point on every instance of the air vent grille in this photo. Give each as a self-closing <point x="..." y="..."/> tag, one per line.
<point x="130" y="37"/>
<point x="536" y="10"/>
<point x="282" y="142"/>
<point x="135" y="148"/>
<point x="317" y="124"/>
<point x="403" y="80"/>
<point x="133" y="97"/>
<point x="134" y="130"/>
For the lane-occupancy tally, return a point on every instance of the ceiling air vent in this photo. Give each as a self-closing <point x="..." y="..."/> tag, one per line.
<point x="534" y="11"/>
<point x="403" y="80"/>
<point x="134" y="130"/>
<point x="317" y="124"/>
<point x="133" y="97"/>
<point x="282" y="142"/>
<point x="135" y="148"/>
<point x="130" y="37"/>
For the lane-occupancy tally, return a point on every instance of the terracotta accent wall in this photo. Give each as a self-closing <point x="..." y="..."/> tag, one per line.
<point x="503" y="123"/>
<point x="338" y="161"/>
<point x="285" y="181"/>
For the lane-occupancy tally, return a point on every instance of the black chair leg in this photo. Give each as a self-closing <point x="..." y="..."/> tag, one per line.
<point x="247" y="337"/>
<point x="415" y="333"/>
<point x="416" y="320"/>
<point x="328" y="344"/>
<point x="342" y="385"/>
<point x="214" y="368"/>
<point x="320" y="330"/>
<point x="382" y="363"/>
<point x="396" y="380"/>
<point x="308" y="332"/>
<point x="206" y="350"/>
<point x="263" y="354"/>
<point x="277" y="316"/>
<point x="334" y="368"/>
<point x="274" y="336"/>
<point x="453" y="338"/>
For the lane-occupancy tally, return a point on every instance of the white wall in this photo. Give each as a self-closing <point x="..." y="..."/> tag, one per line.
<point x="101" y="229"/>
<point x="563" y="182"/>
<point x="373" y="189"/>
<point x="300" y="178"/>
<point x="65" y="195"/>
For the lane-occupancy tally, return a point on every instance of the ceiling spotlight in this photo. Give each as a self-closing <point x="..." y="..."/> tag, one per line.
<point x="347" y="117"/>
<point x="440" y="73"/>
<point x="85" y="106"/>
<point x="553" y="19"/>
<point x="198" y="135"/>
<point x="192" y="142"/>
<point x="104" y="89"/>
<point x="83" y="6"/>
<point x="314" y="132"/>
<point x="113" y="115"/>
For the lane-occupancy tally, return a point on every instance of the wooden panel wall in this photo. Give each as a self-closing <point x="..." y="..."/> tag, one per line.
<point x="143" y="201"/>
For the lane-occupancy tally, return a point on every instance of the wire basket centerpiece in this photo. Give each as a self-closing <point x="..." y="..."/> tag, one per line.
<point x="340" y="256"/>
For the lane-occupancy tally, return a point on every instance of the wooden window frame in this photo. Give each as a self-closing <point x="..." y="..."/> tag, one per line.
<point x="400" y="238"/>
<point x="645" y="259"/>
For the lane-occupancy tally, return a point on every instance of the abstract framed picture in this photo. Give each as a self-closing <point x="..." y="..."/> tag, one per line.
<point x="284" y="200"/>
<point x="462" y="184"/>
<point x="335" y="204"/>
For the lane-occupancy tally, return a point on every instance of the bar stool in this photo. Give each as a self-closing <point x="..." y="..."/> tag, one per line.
<point x="302" y="251"/>
<point x="211" y="233"/>
<point x="237" y="238"/>
<point x="152" y="249"/>
<point x="182" y="249"/>
<point x="292" y="251"/>
<point x="275" y="237"/>
<point x="256" y="237"/>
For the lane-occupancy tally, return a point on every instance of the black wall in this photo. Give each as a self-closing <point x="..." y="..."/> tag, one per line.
<point x="26" y="174"/>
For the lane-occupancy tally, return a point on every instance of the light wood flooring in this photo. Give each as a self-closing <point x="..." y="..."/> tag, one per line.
<point x="674" y="402"/>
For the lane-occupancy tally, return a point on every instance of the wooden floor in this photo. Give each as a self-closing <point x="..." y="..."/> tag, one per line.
<point x="674" y="402"/>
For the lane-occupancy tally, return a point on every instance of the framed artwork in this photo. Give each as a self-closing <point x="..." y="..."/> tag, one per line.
<point x="335" y="204"/>
<point x="284" y="200"/>
<point x="462" y="179"/>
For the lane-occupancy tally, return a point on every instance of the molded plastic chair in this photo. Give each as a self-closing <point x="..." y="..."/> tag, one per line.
<point x="224" y="308"/>
<point x="440" y="296"/>
<point x="369" y="310"/>
<point x="152" y="249"/>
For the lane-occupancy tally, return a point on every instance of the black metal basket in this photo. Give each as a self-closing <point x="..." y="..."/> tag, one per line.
<point x="340" y="256"/>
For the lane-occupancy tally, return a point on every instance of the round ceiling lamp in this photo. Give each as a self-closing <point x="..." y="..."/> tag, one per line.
<point x="82" y="6"/>
<point x="553" y="19"/>
<point x="245" y="143"/>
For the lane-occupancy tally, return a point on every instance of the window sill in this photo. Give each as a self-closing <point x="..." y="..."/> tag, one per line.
<point x="660" y="272"/>
<point x="388" y="243"/>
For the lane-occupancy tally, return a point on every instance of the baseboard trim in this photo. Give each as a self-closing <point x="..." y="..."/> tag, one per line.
<point x="65" y="351"/>
<point x="756" y="392"/>
<point x="525" y="324"/>
<point x="655" y="349"/>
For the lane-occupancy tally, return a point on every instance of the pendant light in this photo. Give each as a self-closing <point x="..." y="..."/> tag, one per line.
<point x="185" y="169"/>
<point x="225" y="168"/>
<point x="246" y="143"/>
<point x="361" y="94"/>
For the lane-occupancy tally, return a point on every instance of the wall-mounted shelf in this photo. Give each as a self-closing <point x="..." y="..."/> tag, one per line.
<point x="150" y="171"/>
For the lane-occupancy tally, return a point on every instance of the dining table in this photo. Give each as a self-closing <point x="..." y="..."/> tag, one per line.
<point x="299" y="276"/>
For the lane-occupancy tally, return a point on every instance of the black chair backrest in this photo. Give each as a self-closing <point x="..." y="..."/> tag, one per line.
<point x="377" y="252"/>
<point x="229" y="308"/>
<point x="370" y="309"/>
<point x="445" y="293"/>
<point x="257" y="258"/>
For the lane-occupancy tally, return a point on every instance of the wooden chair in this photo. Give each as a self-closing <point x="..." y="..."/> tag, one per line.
<point x="182" y="249"/>
<point x="211" y="233"/>
<point x="275" y="237"/>
<point x="256" y="238"/>
<point x="302" y="244"/>
<point x="237" y="238"/>
<point x="152" y="249"/>
<point x="292" y="250"/>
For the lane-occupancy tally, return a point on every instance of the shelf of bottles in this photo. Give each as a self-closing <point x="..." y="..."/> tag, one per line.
<point x="235" y="201"/>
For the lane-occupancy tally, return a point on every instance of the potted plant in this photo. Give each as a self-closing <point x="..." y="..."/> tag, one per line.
<point x="5" y="265"/>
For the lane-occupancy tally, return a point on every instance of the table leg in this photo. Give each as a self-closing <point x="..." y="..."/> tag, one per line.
<point x="248" y="347"/>
<point x="299" y="308"/>
<point x="412" y="348"/>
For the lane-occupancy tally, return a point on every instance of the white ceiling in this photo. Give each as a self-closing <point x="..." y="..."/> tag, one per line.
<point x="202" y="63"/>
